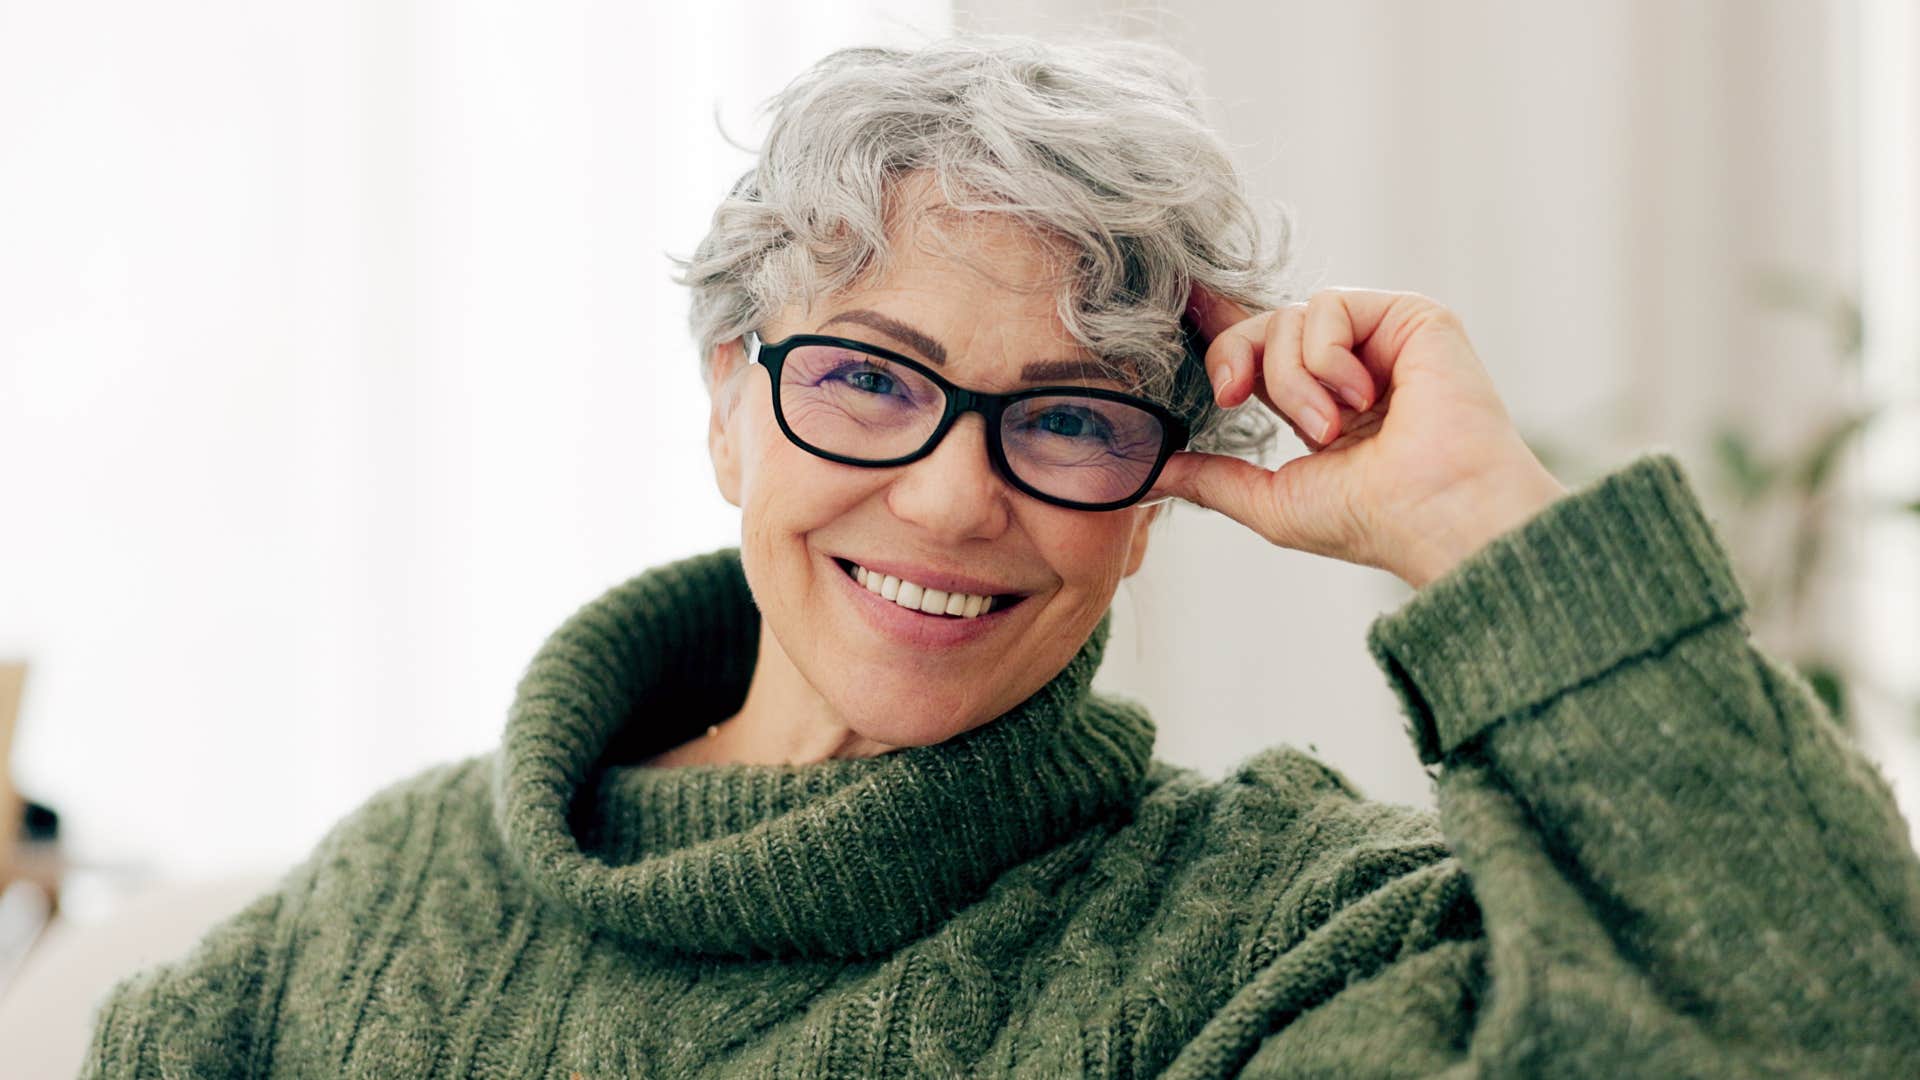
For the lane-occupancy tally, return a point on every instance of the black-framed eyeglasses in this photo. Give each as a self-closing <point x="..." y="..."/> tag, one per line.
<point x="1082" y="447"/>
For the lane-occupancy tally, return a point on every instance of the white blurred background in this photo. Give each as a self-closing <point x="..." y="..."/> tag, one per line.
<point x="339" y="359"/>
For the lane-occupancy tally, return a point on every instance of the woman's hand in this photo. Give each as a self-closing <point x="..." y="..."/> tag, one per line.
<point x="1412" y="489"/>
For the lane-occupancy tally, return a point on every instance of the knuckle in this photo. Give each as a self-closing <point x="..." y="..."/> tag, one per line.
<point x="1444" y="318"/>
<point x="1314" y="382"/>
<point x="1286" y="324"/>
<point x="1427" y="309"/>
<point x="1325" y="362"/>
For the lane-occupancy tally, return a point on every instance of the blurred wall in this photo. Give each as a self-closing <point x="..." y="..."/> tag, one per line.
<point x="1885" y="558"/>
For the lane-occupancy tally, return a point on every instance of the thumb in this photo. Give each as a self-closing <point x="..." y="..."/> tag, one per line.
<point x="1239" y="489"/>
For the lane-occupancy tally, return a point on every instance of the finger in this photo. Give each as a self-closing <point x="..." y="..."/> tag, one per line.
<point x="1237" y="359"/>
<point x="1212" y="313"/>
<point x="1214" y="481"/>
<point x="1377" y="324"/>
<point x="1264" y="501"/>
<point x="1233" y="359"/>
<point x="1326" y="350"/>
<point x="1292" y="391"/>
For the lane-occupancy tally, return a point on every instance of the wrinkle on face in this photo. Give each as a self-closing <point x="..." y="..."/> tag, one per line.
<point x="826" y="683"/>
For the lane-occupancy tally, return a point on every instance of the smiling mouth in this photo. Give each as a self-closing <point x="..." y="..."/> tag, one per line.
<point x="929" y="602"/>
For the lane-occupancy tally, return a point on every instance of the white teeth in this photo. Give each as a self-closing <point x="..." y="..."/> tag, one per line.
<point x="909" y="595"/>
<point x="920" y="598"/>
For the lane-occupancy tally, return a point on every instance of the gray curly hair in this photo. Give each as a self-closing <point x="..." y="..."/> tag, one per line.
<point x="1100" y="147"/>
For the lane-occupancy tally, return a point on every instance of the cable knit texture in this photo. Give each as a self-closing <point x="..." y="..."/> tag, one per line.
<point x="1654" y="855"/>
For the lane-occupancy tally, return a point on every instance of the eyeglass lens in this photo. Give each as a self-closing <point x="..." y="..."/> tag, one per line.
<point x="1073" y="447"/>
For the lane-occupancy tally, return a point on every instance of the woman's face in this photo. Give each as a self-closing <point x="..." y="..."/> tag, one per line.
<point x="895" y="676"/>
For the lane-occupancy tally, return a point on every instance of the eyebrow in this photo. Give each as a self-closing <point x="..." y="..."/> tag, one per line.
<point x="1039" y="370"/>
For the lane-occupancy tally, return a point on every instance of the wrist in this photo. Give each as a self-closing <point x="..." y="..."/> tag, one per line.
<point x="1472" y="519"/>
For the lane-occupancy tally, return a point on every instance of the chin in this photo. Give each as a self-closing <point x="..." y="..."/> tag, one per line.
<point x="911" y="721"/>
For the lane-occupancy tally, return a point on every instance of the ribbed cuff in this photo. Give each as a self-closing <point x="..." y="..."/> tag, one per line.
<point x="1619" y="568"/>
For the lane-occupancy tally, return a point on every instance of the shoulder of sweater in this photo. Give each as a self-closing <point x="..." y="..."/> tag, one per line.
<point x="400" y="800"/>
<point x="421" y="818"/>
<point x="1272" y="849"/>
<point x="1281" y="774"/>
<point x="1284" y="798"/>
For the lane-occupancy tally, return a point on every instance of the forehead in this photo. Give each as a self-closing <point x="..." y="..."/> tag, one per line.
<point x="980" y="269"/>
<point x="975" y="292"/>
<point x="900" y="334"/>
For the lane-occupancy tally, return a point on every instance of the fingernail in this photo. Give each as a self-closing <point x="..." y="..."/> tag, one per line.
<point x="1222" y="375"/>
<point x="1353" y="398"/>
<point x="1314" y="423"/>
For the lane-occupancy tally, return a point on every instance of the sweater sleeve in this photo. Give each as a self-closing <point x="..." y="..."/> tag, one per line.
<point x="204" y="1015"/>
<point x="1681" y="865"/>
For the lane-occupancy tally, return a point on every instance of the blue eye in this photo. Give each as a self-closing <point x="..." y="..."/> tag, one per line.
<point x="869" y="381"/>
<point x="1071" y="424"/>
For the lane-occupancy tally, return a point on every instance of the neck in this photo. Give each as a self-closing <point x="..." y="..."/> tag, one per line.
<point x="784" y="721"/>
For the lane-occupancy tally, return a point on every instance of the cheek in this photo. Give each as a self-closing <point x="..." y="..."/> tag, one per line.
<point x="1089" y="556"/>
<point x="786" y="490"/>
<point x="757" y="437"/>
<point x="771" y="468"/>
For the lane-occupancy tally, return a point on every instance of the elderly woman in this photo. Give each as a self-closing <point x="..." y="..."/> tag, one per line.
<point x="840" y="802"/>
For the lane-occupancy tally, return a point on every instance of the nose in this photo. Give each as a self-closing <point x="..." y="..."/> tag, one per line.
<point x="953" y="493"/>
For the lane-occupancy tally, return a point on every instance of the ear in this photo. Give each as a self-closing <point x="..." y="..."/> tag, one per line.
<point x="723" y="393"/>
<point x="1142" y="522"/>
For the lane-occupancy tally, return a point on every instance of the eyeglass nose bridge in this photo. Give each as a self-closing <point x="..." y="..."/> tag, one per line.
<point x="991" y="408"/>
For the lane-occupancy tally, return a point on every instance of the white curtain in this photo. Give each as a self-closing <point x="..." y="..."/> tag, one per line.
<point x="1886" y="559"/>
<point x="339" y="362"/>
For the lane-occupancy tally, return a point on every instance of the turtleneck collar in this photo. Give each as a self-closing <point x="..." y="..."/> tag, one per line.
<point x="847" y="857"/>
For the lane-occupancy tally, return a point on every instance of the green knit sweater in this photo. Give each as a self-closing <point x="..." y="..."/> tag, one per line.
<point x="1654" y="855"/>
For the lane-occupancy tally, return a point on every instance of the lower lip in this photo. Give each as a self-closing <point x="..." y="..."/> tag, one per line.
<point x="915" y="628"/>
